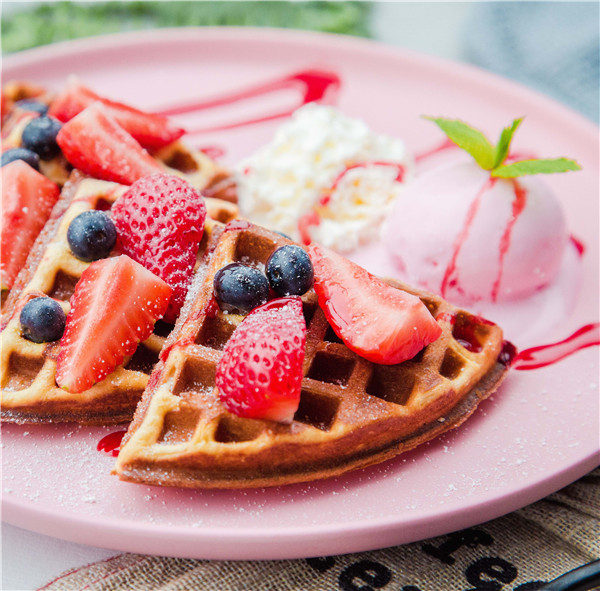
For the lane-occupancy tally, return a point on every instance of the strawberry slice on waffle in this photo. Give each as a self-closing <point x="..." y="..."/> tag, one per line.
<point x="260" y="375"/>
<point x="27" y="200"/>
<point x="95" y="143"/>
<point x="115" y="306"/>
<point x="376" y="321"/>
<point x="160" y="223"/>
<point x="151" y="131"/>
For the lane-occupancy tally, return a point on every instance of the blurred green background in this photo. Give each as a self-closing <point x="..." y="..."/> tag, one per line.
<point x="59" y="21"/>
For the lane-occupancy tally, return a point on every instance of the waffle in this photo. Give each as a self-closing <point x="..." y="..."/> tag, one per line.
<point x="27" y="369"/>
<point x="352" y="412"/>
<point x="18" y="90"/>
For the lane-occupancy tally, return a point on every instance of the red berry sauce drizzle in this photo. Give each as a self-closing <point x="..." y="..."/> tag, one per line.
<point x="312" y="218"/>
<point x="111" y="443"/>
<point x="213" y="152"/>
<point x="445" y="145"/>
<point x="518" y="205"/>
<point x="578" y="244"/>
<point x="312" y="85"/>
<point x="449" y="279"/>
<point x="544" y="355"/>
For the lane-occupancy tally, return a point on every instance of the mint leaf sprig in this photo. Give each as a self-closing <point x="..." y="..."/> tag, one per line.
<point x="491" y="157"/>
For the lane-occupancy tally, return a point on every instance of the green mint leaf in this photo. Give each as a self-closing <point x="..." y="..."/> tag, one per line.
<point x="469" y="139"/>
<point x="504" y="142"/>
<point x="525" y="167"/>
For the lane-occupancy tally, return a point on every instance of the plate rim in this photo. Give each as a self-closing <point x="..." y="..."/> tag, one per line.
<point x="279" y="545"/>
<point x="276" y="35"/>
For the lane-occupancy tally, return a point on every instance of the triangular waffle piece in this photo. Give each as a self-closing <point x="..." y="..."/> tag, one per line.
<point x="352" y="412"/>
<point x="27" y="369"/>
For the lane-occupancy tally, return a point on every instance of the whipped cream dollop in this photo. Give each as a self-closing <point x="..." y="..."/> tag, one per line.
<point x="324" y="177"/>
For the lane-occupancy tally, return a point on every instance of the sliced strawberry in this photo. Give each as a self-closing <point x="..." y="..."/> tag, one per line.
<point x="27" y="200"/>
<point x="96" y="144"/>
<point x="151" y="131"/>
<point x="378" y="322"/>
<point x="5" y="103"/>
<point x="160" y="222"/>
<point x="114" y="307"/>
<point x="259" y="375"/>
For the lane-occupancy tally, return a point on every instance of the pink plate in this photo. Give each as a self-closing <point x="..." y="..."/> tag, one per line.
<point x="535" y="435"/>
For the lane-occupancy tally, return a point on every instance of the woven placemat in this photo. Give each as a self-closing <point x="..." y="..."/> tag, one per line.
<point x="518" y="552"/>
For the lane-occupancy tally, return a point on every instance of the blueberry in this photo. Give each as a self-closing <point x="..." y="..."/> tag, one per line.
<point x="92" y="235"/>
<point x="239" y="288"/>
<point x="21" y="154"/>
<point x="42" y="320"/>
<point x="33" y="106"/>
<point x="290" y="271"/>
<point x="39" y="136"/>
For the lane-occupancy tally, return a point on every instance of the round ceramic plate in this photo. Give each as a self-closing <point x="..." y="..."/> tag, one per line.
<point x="536" y="434"/>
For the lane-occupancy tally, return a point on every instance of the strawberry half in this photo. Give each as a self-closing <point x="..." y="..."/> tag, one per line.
<point x="160" y="222"/>
<point x="96" y="144"/>
<point x="378" y="322"/>
<point x="114" y="307"/>
<point x="259" y="375"/>
<point x="27" y="200"/>
<point x="151" y="131"/>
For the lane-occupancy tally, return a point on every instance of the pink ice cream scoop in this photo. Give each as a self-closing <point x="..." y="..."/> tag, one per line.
<point x="467" y="236"/>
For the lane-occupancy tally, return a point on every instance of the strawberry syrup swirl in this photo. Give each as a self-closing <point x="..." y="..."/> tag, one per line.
<point x="445" y="145"/>
<point x="400" y="170"/>
<point x="313" y="218"/>
<point x="544" y="355"/>
<point x="312" y="85"/>
<point x="449" y="279"/>
<point x="111" y="443"/>
<point x="578" y="244"/>
<point x="518" y="205"/>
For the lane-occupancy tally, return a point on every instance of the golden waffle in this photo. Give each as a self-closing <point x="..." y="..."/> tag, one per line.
<point x="352" y="412"/>
<point x="27" y="369"/>
<point x="18" y="90"/>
